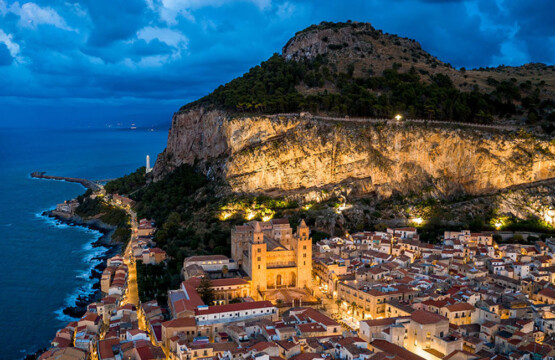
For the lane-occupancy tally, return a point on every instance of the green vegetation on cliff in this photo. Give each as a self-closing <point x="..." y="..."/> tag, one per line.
<point x="128" y="183"/>
<point x="97" y="208"/>
<point x="272" y="87"/>
<point x="172" y="194"/>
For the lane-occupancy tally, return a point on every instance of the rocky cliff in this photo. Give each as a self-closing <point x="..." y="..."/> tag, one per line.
<point x="307" y="157"/>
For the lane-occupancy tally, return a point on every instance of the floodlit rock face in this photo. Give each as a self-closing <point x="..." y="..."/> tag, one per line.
<point x="299" y="156"/>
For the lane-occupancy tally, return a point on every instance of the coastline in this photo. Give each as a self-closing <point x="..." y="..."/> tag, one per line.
<point x="105" y="241"/>
<point x="111" y="248"/>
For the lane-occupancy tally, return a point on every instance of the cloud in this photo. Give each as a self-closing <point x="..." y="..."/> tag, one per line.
<point x="170" y="10"/>
<point x="166" y="35"/>
<point x="114" y="20"/>
<point x="31" y="15"/>
<point x="174" y="51"/>
<point x="8" y="42"/>
<point x="285" y="10"/>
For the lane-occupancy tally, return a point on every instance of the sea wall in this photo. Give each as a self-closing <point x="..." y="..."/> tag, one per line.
<point x="301" y="155"/>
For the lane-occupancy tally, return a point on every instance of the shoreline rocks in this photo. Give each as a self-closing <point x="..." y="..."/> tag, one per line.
<point x="105" y="241"/>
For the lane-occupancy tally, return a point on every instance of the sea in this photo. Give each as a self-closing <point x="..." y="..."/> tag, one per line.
<point x="45" y="265"/>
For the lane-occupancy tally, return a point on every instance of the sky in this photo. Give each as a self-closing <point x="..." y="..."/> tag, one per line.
<point x="93" y="62"/>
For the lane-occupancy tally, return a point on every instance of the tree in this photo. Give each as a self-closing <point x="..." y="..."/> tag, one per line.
<point x="225" y="270"/>
<point x="338" y="303"/>
<point x="206" y="291"/>
<point x="353" y="307"/>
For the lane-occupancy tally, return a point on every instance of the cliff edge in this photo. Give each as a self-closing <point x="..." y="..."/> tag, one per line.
<point x="300" y="155"/>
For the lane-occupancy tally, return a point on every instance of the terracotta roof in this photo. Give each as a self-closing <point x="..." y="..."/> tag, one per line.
<point x="283" y="221"/>
<point x="462" y="306"/>
<point x="287" y="345"/>
<point x="261" y="346"/>
<point x="179" y="322"/>
<point x="426" y="317"/>
<point x="550" y="293"/>
<point x="393" y="349"/>
<point x="206" y="258"/>
<point x="310" y="327"/>
<point x="306" y="356"/>
<point x="318" y="317"/>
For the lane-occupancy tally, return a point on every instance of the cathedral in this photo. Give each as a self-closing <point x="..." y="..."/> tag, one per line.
<point x="272" y="255"/>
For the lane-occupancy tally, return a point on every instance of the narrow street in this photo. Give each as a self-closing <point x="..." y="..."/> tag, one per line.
<point x="132" y="295"/>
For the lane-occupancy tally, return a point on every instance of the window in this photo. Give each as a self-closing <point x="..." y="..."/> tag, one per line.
<point x="304" y="247"/>
<point x="258" y="267"/>
<point x="259" y="250"/>
<point x="259" y="258"/>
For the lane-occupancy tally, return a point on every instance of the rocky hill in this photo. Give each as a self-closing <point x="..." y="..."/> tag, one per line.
<point x="300" y="156"/>
<point x="353" y="69"/>
<point x="314" y="125"/>
<point x="370" y="51"/>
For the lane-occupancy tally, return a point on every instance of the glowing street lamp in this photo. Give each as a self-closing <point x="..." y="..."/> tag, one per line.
<point x="550" y="216"/>
<point x="418" y="221"/>
<point x="398" y="117"/>
<point x="498" y="225"/>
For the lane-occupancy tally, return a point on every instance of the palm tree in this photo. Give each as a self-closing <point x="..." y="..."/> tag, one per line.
<point x="353" y="307"/>
<point x="338" y="303"/>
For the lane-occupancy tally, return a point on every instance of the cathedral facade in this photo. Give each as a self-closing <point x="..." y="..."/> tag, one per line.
<point x="272" y="256"/>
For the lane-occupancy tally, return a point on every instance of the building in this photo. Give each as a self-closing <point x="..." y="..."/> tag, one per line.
<point x="428" y="336"/>
<point x="185" y="326"/>
<point x="210" y="262"/>
<point x="272" y="256"/>
<point x="214" y="318"/>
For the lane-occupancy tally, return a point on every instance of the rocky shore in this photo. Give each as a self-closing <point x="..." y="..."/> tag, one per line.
<point x="105" y="241"/>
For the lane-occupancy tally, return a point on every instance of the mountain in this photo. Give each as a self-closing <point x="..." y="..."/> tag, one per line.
<point x="315" y="125"/>
<point x="354" y="69"/>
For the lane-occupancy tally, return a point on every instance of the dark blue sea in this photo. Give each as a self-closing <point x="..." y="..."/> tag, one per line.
<point x="44" y="265"/>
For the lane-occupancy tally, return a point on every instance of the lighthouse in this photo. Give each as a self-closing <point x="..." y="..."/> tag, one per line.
<point x="148" y="168"/>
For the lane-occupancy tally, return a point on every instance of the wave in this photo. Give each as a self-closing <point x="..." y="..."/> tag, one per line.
<point x="92" y="255"/>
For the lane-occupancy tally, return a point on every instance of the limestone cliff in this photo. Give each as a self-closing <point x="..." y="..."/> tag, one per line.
<point x="301" y="155"/>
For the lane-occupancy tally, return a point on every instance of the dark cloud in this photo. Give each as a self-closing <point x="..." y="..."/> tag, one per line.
<point x="114" y="20"/>
<point x="136" y="51"/>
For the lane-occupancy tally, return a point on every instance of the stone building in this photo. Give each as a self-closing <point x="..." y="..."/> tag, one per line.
<point x="272" y="256"/>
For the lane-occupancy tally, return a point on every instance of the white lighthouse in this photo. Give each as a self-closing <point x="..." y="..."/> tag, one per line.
<point x="148" y="168"/>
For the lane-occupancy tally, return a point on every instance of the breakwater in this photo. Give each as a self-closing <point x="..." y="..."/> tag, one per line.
<point x="85" y="182"/>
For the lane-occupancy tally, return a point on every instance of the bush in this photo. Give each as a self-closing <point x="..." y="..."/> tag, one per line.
<point x="271" y="88"/>
<point x="128" y="183"/>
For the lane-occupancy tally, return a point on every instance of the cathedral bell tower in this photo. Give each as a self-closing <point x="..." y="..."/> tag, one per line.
<point x="304" y="255"/>
<point x="257" y="255"/>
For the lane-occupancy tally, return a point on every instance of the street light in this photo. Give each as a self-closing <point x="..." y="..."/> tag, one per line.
<point x="398" y="117"/>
